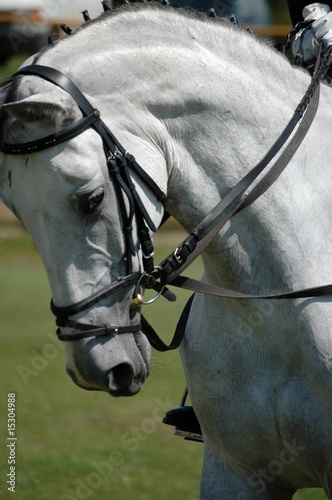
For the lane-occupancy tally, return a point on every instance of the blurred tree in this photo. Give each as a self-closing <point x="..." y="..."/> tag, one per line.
<point x="279" y="11"/>
<point x="275" y="11"/>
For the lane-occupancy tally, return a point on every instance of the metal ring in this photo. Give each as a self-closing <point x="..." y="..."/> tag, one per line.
<point x="138" y="289"/>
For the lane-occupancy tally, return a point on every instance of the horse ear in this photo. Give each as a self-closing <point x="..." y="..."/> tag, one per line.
<point x="40" y="107"/>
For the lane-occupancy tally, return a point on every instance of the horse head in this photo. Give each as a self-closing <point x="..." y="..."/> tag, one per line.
<point x="79" y="207"/>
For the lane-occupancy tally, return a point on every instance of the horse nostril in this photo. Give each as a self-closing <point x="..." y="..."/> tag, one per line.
<point x="120" y="377"/>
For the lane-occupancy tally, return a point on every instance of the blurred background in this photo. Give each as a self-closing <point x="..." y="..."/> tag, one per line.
<point x="25" y="25"/>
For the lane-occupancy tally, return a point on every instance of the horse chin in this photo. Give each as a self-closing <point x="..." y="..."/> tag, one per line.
<point x="121" y="375"/>
<point x="111" y="385"/>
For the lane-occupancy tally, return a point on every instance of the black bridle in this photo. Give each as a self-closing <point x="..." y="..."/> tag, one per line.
<point x="168" y="272"/>
<point x="118" y="161"/>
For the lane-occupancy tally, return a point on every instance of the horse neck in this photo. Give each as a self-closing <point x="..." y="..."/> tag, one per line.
<point x="203" y="108"/>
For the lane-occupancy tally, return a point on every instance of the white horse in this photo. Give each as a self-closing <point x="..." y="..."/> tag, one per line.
<point x="198" y="102"/>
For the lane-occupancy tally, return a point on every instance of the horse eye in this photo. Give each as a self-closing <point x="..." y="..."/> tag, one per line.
<point x="94" y="200"/>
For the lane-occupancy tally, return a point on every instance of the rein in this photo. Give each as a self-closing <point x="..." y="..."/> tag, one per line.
<point x="201" y="236"/>
<point x="168" y="272"/>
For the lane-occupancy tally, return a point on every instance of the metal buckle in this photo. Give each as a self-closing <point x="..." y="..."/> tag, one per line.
<point x="138" y="293"/>
<point x="177" y="257"/>
<point x="149" y="256"/>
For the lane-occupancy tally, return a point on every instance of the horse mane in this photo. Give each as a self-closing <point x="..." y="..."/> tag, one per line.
<point x="8" y="88"/>
<point x="9" y="85"/>
<point x="208" y="18"/>
<point x="138" y="6"/>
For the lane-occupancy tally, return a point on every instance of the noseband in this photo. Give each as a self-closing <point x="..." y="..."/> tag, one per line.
<point x="118" y="161"/>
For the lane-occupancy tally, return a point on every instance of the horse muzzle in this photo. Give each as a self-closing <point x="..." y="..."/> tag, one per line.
<point x="118" y="365"/>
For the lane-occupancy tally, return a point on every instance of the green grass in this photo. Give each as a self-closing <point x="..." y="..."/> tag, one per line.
<point x="11" y="65"/>
<point x="65" y="435"/>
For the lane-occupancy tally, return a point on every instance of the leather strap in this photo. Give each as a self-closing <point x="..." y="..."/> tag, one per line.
<point x="156" y="341"/>
<point x="86" y="331"/>
<point x="53" y="139"/>
<point x="198" y="286"/>
<point x="63" y="313"/>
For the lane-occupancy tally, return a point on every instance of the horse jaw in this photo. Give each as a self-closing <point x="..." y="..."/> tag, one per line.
<point x="88" y="364"/>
